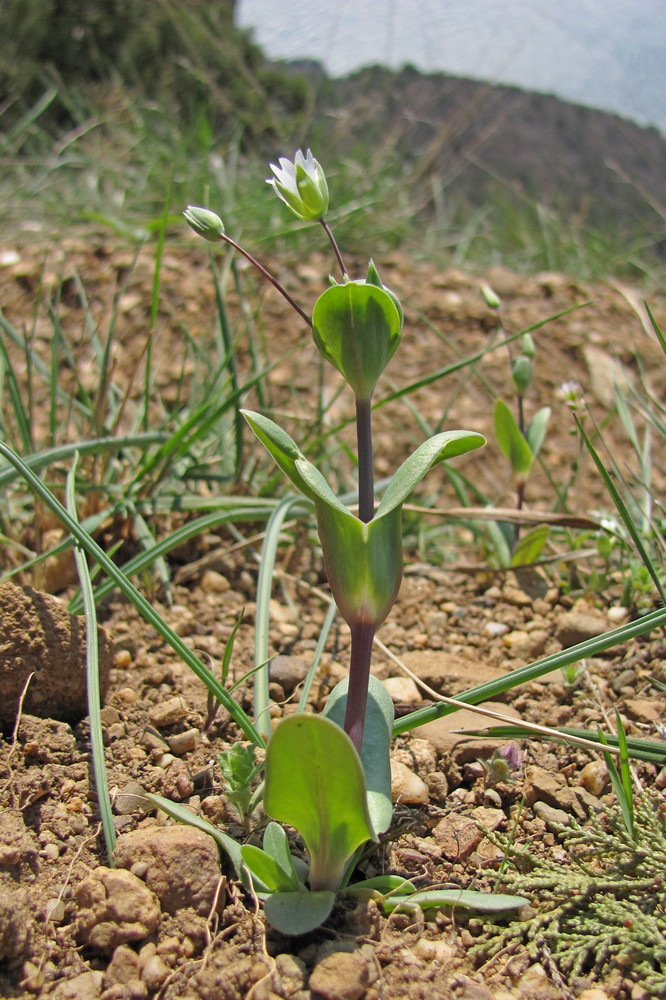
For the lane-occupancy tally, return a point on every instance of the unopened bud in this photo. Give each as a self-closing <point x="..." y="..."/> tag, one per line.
<point x="204" y="223"/>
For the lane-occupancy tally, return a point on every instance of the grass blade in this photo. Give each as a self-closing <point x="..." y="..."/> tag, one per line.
<point x="92" y="677"/>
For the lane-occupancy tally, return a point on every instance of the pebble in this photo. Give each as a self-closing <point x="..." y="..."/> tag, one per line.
<point x="288" y="671"/>
<point x="128" y="695"/>
<point x="214" y="583"/>
<point x="183" y="864"/>
<point x="340" y="976"/>
<point x="459" y="835"/>
<point x="494" y="629"/>
<point x="594" y="777"/>
<point x="647" y="710"/>
<point x="114" y="907"/>
<point x="578" y="625"/>
<point x="403" y="691"/>
<point x="535" y="983"/>
<point x="406" y="786"/>
<point x="168" y="713"/>
<point x="85" y="986"/>
<point x="550" y="815"/>
<point x="132" y="799"/>
<point x="182" y="743"/>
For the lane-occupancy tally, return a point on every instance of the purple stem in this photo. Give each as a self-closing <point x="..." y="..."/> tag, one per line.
<point x="362" y="636"/>
<point x="366" y="485"/>
<point x="267" y="274"/>
<point x="336" y="249"/>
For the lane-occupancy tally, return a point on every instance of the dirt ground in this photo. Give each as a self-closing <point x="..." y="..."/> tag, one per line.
<point x="168" y="920"/>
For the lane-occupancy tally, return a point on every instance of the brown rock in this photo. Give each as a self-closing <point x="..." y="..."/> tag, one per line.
<point x="115" y="907"/>
<point x="459" y="835"/>
<point x="123" y="968"/>
<point x="85" y="986"/>
<point x="406" y="786"/>
<point x="646" y="710"/>
<point x="340" y="976"/>
<point x="288" y="671"/>
<point x="183" y="864"/>
<point x="39" y="636"/>
<point x="581" y="623"/>
<point x="441" y="733"/>
<point x="549" y="787"/>
<point x="15" y="925"/>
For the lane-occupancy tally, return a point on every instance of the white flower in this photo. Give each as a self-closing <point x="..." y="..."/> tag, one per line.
<point x="302" y="186"/>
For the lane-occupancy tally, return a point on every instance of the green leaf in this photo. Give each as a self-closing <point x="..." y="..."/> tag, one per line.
<point x="375" y="748"/>
<point x="537" y="430"/>
<point x="267" y="870"/>
<point x="530" y="546"/>
<point x="314" y="782"/>
<point x="298" y="912"/>
<point x="277" y="845"/>
<point x="363" y="562"/>
<point x="621" y="780"/>
<point x="482" y="902"/>
<point x="357" y="327"/>
<point x="511" y="442"/>
<point x="383" y="884"/>
<point x="436" y="449"/>
<point x="288" y="456"/>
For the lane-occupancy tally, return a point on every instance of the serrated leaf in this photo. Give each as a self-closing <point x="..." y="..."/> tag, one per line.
<point x="376" y="745"/>
<point x="314" y="782"/>
<point x="511" y="442"/>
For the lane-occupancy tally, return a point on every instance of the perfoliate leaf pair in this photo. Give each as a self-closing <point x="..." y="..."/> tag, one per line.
<point x="357" y="327"/>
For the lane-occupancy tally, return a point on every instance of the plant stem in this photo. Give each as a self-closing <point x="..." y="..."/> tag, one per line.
<point x="336" y="249"/>
<point x="366" y="484"/>
<point x="267" y="275"/>
<point x="362" y="637"/>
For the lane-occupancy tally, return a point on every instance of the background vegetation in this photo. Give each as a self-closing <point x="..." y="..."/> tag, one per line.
<point x="104" y="109"/>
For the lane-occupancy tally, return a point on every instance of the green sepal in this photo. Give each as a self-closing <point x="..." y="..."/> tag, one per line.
<point x="314" y="782"/>
<point x="377" y="733"/>
<point x="511" y="442"/>
<point x="357" y="328"/>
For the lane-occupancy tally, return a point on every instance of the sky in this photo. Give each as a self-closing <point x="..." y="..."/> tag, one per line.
<point x="608" y="54"/>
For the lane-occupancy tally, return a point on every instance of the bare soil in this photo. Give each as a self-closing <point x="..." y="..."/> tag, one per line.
<point x="169" y="921"/>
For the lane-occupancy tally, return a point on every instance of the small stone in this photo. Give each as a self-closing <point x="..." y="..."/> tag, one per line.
<point x="55" y="910"/>
<point x="646" y="710"/>
<point x="182" y="743"/>
<point x="459" y="835"/>
<point x="594" y="777"/>
<point x="580" y="624"/>
<point x="32" y="977"/>
<point x="595" y="993"/>
<point x="115" y="908"/>
<point x="494" y="629"/>
<point x="403" y="691"/>
<point x="406" y="786"/>
<point x="183" y="864"/>
<point x="340" y="976"/>
<point x="535" y="984"/>
<point x="617" y="615"/>
<point x="123" y="967"/>
<point x="128" y="696"/>
<point x="85" y="986"/>
<point x="213" y="582"/>
<point x="551" y="816"/>
<point x="526" y="645"/>
<point x="548" y="786"/>
<point x="122" y="660"/>
<point x="288" y="672"/>
<point x="168" y="713"/>
<point x="131" y="799"/>
<point x="154" y="972"/>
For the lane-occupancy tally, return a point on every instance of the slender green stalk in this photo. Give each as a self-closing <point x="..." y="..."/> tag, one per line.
<point x="336" y="249"/>
<point x="268" y="276"/>
<point x="92" y="677"/>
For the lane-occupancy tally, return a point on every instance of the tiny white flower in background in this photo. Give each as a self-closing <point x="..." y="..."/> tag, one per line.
<point x="301" y="185"/>
<point x="571" y="393"/>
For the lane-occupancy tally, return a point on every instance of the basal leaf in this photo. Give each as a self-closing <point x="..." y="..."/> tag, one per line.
<point x="314" y="782"/>
<point x="298" y="912"/>
<point x="482" y="902"/>
<point x="267" y="870"/>
<point x="375" y="748"/>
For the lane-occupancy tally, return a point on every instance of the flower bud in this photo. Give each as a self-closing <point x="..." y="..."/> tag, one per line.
<point x="528" y="346"/>
<point x="302" y="186"/>
<point x="490" y="297"/>
<point x="204" y="223"/>
<point x="521" y="373"/>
